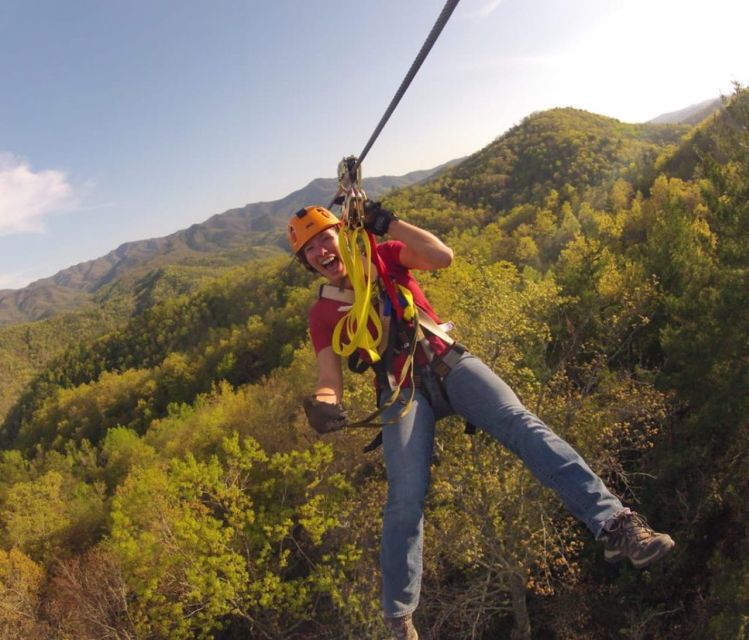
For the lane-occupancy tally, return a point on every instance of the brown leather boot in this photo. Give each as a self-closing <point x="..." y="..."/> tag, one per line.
<point x="402" y="628"/>
<point x="629" y="535"/>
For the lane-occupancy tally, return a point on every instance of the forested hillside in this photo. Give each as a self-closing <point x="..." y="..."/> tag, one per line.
<point x="99" y="295"/>
<point x="158" y="479"/>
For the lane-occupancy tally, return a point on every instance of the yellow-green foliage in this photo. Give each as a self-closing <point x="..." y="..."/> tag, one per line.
<point x="161" y="481"/>
<point x="21" y="581"/>
<point x="499" y="314"/>
<point x="26" y="349"/>
<point x="52" y="515"/>
<point x="237" y="329"/>
<point x="239" y="534"/>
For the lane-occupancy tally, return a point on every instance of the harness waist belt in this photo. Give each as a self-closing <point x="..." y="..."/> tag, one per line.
<point x="443" y="364"/>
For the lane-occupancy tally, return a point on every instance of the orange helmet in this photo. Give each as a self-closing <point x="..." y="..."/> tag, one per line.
<point x="307" y="223"/>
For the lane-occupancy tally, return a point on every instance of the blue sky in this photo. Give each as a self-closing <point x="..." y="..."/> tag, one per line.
<point x="123" y="120"/>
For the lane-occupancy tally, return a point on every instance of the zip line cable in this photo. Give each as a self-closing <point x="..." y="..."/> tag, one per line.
<point x="439" y="25"/>
<point x="420" y="57"/>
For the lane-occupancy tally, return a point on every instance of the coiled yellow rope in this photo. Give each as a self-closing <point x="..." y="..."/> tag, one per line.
<point x="363" y="328"/>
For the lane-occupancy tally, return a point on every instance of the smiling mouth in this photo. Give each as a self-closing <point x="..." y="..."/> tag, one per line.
<point x="327" y="263"/>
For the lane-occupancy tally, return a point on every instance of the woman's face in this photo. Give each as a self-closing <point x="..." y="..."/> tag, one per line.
<point x="323" y="254"/>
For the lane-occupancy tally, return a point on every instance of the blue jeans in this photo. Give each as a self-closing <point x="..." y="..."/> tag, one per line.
<point x="482" y="398"/>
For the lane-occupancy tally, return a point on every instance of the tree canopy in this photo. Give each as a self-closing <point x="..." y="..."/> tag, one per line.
<point x="158" y="479"/>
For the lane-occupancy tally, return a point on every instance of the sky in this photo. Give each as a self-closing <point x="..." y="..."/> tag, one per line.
<point x="122" y="120"/>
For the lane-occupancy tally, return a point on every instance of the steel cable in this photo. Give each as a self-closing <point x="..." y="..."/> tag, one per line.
<point x="420" y="57"/>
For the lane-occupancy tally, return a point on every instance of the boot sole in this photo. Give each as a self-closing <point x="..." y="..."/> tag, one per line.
<point x="617" y="555"/>
<point x="614" y="557"/>
<point x="662" y="550"/>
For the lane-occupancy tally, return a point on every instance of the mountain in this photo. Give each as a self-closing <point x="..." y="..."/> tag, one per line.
<point x="568" y="151"/>
<point x="693" y="114"/>
<point x="236" y="235"/>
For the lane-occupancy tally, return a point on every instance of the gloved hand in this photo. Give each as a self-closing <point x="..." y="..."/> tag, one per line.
<point x="376" y="219"/>
<point x="325" y="417"/>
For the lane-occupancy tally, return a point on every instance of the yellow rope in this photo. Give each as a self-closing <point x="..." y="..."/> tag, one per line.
<point x="362" y="324"/>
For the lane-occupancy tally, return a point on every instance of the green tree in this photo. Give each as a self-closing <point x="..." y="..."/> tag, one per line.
<point x="52" y="515"/>
<point x="236" y="540"/>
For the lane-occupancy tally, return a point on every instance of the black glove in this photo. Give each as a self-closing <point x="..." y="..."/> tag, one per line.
<point x="325" y="417"/>
<point x="376" y="219"/>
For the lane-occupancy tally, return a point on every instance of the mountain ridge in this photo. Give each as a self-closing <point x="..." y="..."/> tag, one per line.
<point x="73" y="287"/>
<point x="693" y="114"/>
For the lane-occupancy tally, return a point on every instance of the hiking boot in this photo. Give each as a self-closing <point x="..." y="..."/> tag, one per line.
<point x="628" y="535"/>
<point x="402" y="628"/>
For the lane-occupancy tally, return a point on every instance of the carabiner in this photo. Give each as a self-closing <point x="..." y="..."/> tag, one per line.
<point x="349" y="185"/>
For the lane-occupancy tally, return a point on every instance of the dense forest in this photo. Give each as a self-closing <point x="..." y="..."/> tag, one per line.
<point x="158" y="479"/>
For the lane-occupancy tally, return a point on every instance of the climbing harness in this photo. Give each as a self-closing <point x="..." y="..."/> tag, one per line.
<point x="361" y="325"/>
<point x="396" y="338"/>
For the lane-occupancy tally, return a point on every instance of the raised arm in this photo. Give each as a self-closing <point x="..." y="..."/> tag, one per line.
<point x="423" y="249"/>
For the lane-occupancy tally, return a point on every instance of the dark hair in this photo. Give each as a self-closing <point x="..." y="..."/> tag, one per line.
<point x="303" y="261"/>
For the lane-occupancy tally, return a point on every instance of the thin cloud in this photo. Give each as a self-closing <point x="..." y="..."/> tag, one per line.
<point x="485" y="9"/>
<point x="27" y="197"/>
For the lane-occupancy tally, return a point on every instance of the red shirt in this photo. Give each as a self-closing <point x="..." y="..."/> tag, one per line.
<point x="325" y="313"/>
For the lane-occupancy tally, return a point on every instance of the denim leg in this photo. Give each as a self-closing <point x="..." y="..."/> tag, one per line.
<point x="484" y="399"/>
<point x="407" y="448"/>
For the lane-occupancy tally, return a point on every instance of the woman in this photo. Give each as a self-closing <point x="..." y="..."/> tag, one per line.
<point x="466" y="387"/>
